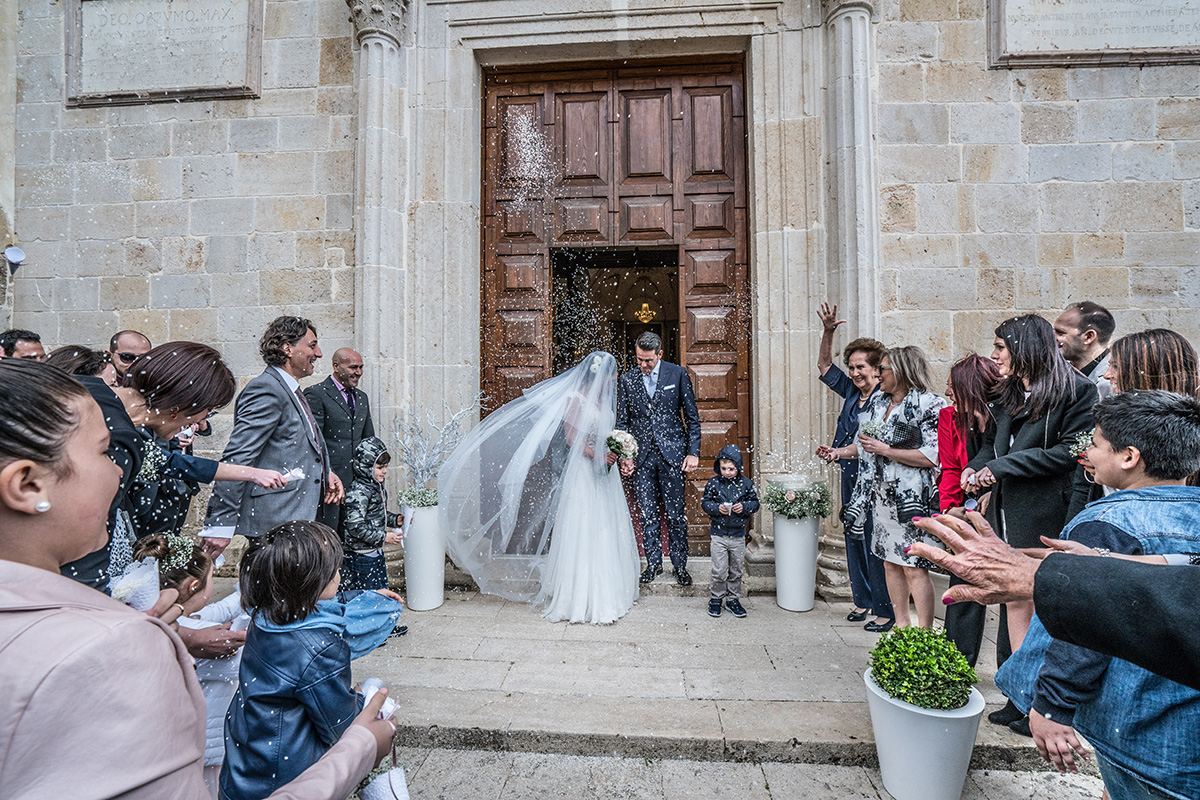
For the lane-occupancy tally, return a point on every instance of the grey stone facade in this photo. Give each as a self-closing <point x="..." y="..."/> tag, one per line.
<point x="890" y="171"/>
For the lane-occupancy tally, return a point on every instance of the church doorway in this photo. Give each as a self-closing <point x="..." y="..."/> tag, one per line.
<point x="605" y="298"/>
<point x="614" y="201"/>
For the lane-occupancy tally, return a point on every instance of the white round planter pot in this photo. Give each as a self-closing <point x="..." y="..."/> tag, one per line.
<point x="424" y="561"/>
<point x="923" y="754"/>
<point x="795" y="562"/>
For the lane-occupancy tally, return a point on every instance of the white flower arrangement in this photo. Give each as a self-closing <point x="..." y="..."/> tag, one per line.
<point x="812" y="500"/>
<point x="419" y="498"/>
<point x="1081" y="443"/>
<point x="622" y="444"/>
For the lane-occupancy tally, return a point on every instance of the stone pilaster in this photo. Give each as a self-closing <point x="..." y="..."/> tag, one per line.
<point x="380" y="160"/>
<point x="854" y="217"/>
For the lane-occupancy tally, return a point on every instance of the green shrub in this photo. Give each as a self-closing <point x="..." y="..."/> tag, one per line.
<point x="922" y="667"/>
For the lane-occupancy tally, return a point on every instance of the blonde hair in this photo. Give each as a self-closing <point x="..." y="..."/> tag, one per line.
<point x="910" y="367"/>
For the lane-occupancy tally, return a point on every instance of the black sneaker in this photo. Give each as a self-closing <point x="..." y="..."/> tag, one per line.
<point x="398" y="631"/>
<point x="1021" y="726"/>
<point x="735" y="607"/>
<point x="714" y="608"/>
<point x="1005" y="716"/>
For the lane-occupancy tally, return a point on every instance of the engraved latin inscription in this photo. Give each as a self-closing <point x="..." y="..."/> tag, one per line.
<point x="149" y="47"/>
<point x="1154" y="29"/>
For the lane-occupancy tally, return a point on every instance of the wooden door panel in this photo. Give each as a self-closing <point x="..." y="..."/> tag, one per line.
<point x="647" y="219"/>
<point x="715" y="385"/>
<point x="710" y="216"/>
<point x="708" y="118"/>
<point x="523" y="278"/>
<point x="581" y="137"/>
<point x="708" y="272"/>
<point x="519" y="123"/>
<point x="581" y="219"/>
<point x="644" y="145"/>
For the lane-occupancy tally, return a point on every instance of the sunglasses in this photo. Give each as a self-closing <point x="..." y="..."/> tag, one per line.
<point x="128" y="358"/>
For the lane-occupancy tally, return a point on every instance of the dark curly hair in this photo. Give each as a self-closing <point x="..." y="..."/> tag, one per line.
<point x="872" y="349"/>
<point x="281" y="331"/>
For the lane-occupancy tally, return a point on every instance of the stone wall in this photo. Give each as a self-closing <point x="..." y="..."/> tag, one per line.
<point x="8" y="164"/>
<point x="1024" y="190"/>
<point x="191" y="220"/>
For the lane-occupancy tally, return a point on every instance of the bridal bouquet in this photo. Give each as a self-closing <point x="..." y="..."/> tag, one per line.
<point x="623" y="444"/>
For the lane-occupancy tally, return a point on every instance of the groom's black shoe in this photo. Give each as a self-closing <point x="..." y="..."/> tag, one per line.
<point x="682" y="576"/>
<point x="651" y="573"/>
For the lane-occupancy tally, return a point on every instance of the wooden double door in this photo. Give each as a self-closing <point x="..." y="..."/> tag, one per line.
<point x="645" y="155"/>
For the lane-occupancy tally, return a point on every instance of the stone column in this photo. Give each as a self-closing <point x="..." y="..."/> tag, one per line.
<point x="380" y="160"/>
<point x="854" y="217"/>
<point x="854" y="221"/>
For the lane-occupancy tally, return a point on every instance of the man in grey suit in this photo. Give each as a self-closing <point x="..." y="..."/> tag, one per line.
<point x="274" y="426"/>
<point x="343" y="414"/>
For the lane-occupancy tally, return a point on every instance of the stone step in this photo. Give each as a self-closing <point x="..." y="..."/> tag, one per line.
<point x="837" y="733"/>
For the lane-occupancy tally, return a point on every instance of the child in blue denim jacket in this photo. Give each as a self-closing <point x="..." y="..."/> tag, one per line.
<point x="1142" y="726"/>
<point x="729" y="500"/>
<point x="294" y="698"/>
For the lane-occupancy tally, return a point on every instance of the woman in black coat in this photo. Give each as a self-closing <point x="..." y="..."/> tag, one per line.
<point x="1040" y="406"/>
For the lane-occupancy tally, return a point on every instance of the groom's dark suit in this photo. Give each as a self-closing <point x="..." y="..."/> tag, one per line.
<point x="658" y="424"/>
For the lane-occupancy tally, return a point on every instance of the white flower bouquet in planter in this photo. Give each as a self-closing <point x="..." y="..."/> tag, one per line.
<point x="798" y="503"/>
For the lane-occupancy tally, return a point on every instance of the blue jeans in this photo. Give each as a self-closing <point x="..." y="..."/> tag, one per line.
<point x="1123" y="786"/>
<point x="363" y="571"/>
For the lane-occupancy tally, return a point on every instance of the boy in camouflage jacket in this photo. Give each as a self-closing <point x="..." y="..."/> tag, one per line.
<point x="367" y="519"/>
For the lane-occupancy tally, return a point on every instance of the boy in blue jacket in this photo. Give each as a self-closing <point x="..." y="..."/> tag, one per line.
<point x="729" y="499"/>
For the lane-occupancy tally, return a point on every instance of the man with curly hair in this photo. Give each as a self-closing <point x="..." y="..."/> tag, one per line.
<point x="274" y="428"/>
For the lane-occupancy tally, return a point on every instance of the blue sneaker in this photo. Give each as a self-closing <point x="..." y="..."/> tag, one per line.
<point x="735" y="607"/>
<point x="714" y="608"/>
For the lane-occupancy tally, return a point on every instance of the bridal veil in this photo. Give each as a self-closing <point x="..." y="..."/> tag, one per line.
<point x="499" y="492"/>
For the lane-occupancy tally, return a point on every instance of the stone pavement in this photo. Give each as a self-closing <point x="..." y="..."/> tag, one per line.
<point x="778" y="689"/>
<point x="441" y="774"/>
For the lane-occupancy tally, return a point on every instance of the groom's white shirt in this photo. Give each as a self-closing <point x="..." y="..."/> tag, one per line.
<point x="651" y="381"/>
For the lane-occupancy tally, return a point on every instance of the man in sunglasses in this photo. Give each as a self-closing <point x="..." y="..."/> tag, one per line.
<point x="123" y="349"/>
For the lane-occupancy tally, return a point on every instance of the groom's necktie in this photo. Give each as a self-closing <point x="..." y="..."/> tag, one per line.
<point x="312" y="421"/>
<point x="650" y="386"/>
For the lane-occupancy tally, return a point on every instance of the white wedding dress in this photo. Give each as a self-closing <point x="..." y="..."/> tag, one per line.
<point x="530" y="509"/>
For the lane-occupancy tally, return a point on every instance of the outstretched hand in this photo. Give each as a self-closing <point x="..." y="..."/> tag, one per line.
<point x="994" y="571"/>
<point x="829" y="320"/>
<point x="1057" y="743"/>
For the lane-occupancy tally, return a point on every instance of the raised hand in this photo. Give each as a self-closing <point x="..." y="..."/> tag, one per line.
<point x="828" y="316"/>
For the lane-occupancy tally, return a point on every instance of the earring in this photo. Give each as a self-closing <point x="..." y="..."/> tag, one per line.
<point x="43" y="506"/>
<point x="173" y="416"/>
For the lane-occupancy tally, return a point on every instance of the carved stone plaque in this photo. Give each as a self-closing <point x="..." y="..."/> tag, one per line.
<point x="1035" y="33"/>
<point x="121" y="52"/>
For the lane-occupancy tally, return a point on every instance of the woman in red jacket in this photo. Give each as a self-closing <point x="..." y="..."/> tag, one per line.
<point x="961" y="429"/>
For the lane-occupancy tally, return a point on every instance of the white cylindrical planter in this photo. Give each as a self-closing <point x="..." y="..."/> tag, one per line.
<point x="923" y="753"/>
<point x="424" y="561"/>
<point x="795" y="562"/>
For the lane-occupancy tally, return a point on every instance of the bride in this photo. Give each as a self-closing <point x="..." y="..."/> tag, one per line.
<point x="531" y="508"/>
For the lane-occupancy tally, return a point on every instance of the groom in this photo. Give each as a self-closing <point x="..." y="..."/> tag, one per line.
<point x="654" y="403"/>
